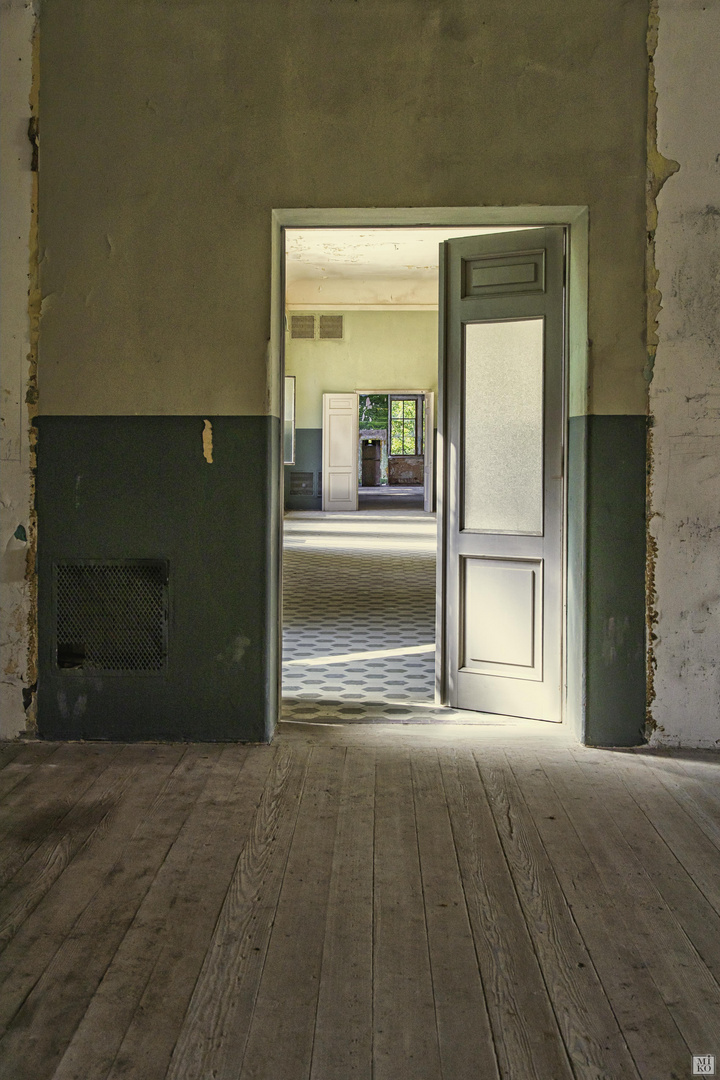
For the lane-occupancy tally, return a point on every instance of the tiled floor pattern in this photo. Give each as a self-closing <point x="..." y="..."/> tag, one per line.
<point x="360" y="584"/>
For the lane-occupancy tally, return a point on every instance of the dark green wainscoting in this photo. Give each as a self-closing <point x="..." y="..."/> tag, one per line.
<point x="606" y="578"/>
<point x="303" y="479"/>
<point x="139" y="487"/>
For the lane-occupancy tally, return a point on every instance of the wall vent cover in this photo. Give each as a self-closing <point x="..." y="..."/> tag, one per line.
<point x="331" y="327"/>
<point x="302" y="326"/>
<point x="111" y="616"/>
<point x="301" y="483"/>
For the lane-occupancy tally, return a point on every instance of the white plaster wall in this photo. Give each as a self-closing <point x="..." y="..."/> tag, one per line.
<point x="685" y="391"/>
<point x="16" y="59"/>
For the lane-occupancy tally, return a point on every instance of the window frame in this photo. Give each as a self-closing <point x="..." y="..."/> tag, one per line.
<point x="418" y="399"/>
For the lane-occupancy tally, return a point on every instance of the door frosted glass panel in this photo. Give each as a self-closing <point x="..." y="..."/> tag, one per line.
<point x="503" y="421"/>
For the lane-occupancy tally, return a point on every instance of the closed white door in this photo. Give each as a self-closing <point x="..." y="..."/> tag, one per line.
<point x="340" y="452"/>
<point x="501" y="423"/>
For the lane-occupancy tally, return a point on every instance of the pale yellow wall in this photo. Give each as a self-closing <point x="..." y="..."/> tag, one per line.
<point x="18" y="24"/>
<point x="171" y="130"/>
<point x="380" y="350"/>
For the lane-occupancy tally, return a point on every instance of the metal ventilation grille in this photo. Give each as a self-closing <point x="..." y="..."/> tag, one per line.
<point x="302" y="326"/>
<point x="331" y="327"/>
<point x="111" y="616"/>
<point x="301" y="483"/>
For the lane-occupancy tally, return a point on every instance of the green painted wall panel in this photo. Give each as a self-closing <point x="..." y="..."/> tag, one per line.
<point x="308" y="459"/>
<point x="615" y="586"/>
<point x="140" y="487"/>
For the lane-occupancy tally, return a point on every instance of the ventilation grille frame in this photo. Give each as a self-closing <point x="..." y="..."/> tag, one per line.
<point x="328" y="325"/>
<point x="324" y="327"/>
<point x="299" y="325"/>
<point x="108" y="633"/>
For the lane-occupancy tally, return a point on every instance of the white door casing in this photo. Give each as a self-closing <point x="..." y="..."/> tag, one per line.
<point x="428" y="450"/>
<point x="501" y="424"/>
<point x="339" y="452"/>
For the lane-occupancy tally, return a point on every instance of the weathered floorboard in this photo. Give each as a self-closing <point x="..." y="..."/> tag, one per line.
<point x="657" y="1047"/>
<point x="405" y="1030"/>
<point x="464" y="1033"/>
<point x="214" y="1031"/>
<point x="342" y="1046"/>
<point x="525" y="1030"/>
<point x="38" y="939"/>
<point x="281" y="1031"/>
<point x="42" y="1028"/>
<point x="392" y="903"/>
<point x="594" y="1041"/>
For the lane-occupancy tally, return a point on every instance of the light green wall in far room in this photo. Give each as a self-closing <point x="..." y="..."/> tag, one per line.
<point x="380" y="350"/>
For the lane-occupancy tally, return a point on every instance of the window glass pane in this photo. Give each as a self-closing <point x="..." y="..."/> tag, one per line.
<point x="503" y="427"/>
<point x="396" y="441"/>
<point x="396" y="409"/>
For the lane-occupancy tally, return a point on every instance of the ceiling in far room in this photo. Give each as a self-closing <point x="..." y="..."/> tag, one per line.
<point x="374" y="269"/>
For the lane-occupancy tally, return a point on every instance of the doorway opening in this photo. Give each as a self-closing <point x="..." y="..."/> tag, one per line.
<point x="342" y="466"/>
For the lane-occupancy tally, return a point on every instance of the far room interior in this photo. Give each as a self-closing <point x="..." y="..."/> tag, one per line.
<point x="360" y="544"/>
<point x="361" y="322"/>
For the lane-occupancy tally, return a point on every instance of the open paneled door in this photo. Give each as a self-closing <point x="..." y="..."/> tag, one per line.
<point x="340" y="452"/>
<point x="501" y="420"/>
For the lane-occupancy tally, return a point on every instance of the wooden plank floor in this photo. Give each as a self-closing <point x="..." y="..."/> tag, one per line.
<point x="359" y="903"/>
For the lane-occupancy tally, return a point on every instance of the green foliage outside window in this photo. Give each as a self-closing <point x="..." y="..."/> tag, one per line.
<point x="373" y="411"/>
<point x="403" y="426"/>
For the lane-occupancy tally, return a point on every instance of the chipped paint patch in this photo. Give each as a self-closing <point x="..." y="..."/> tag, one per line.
<point x="31" y="398"/>
<point x="659" y="170"/>
<point x="207" y="441"/>
<point x="683" y="700"/>
<point x="19" y="389"/>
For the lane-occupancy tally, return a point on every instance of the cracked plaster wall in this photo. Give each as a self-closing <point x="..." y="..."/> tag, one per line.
<point x="685" y="389"/>
<point x="16" y="529"/>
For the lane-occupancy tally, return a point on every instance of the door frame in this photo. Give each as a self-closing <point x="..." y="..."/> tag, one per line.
<point x="575" y="219"/>
<point x="424" y="394"/>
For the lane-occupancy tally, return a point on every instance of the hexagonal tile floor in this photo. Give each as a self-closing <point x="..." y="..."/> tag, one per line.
<point x="359" y="619"/>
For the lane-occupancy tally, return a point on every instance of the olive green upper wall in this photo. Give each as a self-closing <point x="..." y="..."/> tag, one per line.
<point x="170" y="130"/>
<point x="380" y="350"/>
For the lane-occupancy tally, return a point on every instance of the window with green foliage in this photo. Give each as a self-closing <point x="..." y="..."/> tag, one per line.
<point x="404" y="427"/>
<point x="373" y="411"/>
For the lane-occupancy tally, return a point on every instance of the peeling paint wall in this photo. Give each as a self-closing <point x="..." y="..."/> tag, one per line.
<point x="685" y="387"/>
<point x="17" y="528"/>
<point x="170" y="131"/>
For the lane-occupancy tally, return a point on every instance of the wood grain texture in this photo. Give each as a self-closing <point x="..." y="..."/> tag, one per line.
<point x="405" y="1030"/>
<point x="17" y="761"/>
<point x="214" y="1032"/>
<point x="464" y="1032"/>
<point x="661" y="862"/>
<point x="657" y="1047"/>
<point x="169" y="935"/>
<point x="526" y="1034"/>
<point x="281" y="1032"/>
<point x="342" y="1044"/>
<point x="33" y="813"/>
<point x="687" y="986"/>
<point x="42" y="1028"/>
<point x="595" y="1044"/>
<point x="354" y="904"/>
<point x="34" y="944"/>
